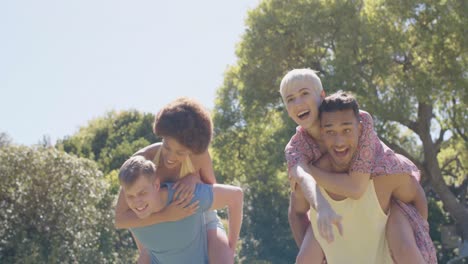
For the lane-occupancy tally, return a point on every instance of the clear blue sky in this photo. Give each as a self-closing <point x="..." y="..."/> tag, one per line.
<point x="63" y="63"/>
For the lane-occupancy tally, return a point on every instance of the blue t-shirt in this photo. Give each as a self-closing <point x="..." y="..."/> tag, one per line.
<point x="180" y="242"/>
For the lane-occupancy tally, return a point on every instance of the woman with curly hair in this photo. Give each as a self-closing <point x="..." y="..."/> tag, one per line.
<point x="182" y="157"/>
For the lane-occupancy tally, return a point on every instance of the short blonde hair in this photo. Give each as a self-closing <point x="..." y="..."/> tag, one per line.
<point x="301" y="75"/>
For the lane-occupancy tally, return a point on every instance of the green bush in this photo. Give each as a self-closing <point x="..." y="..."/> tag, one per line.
<point x="56" y="208"/>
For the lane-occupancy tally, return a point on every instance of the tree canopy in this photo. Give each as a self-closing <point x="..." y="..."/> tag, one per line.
<point x="111" y="139"/>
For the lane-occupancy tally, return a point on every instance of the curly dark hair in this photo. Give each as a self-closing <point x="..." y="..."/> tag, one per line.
<point x="188" y="122"/>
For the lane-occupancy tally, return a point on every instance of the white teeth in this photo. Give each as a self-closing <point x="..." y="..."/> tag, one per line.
<point x="303" y="112"/>
<point x="141" y="208"/>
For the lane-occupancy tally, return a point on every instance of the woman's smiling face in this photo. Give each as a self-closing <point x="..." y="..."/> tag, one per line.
<point x="173" y="153"/>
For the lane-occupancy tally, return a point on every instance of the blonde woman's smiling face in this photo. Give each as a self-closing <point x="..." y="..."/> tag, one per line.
<point x="302" y="102"/>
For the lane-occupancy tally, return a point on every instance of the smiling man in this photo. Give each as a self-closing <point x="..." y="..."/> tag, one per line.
<point x="364" y="220"/>
<point x="183" y="241"/>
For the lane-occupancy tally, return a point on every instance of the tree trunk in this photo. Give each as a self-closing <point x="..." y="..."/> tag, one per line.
<point x="431" y="166"/>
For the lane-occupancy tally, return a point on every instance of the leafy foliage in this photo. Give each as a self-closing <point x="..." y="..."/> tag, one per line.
<point x="112" y="139"/>
<point x="54" y="208"/>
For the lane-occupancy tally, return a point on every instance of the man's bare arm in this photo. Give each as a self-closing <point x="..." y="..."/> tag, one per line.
<point x="203" y="161"/>
<point x="409" y="190"/>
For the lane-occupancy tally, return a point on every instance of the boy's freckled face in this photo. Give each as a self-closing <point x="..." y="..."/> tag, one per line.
<point x="302" y="102"/>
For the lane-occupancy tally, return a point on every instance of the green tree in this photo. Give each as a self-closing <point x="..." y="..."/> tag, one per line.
<point x="54" y="209"/>
<point x="405" y="60"/>
<point x="251" y="155"/>
<point x="110" y="140"/>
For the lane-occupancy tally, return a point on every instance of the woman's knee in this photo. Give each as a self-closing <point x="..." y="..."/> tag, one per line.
<point x="218" y="247"/>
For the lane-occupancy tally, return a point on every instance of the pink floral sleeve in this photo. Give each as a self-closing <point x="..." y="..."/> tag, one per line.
<point x="373" y="156"/>
<point x="376" y="158"/>
<point x="301" y="147"/>
<point x="364" y="158"/>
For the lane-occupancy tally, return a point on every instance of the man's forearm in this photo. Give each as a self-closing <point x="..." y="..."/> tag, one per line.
<point x="128" y="219"/>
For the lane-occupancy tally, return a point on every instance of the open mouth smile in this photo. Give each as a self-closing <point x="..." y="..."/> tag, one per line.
<point x="341" y="152"/>
<point x="303" y="115"/>
<point x="141" y="209"/>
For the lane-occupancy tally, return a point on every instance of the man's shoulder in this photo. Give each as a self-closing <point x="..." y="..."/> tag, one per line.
<point x="203" y="187"/>
<point x="202" y="191"/>
<point x="390" y="182"/>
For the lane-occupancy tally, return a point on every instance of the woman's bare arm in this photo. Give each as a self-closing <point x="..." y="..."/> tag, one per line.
<point x="203" y="163"/>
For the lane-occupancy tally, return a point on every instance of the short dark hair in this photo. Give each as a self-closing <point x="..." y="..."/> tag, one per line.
<point x="339" y="101"/>
<point x="135" y="167"/>
<point x="188" y="122"/>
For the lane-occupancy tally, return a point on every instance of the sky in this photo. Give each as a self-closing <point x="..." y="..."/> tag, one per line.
<point x="63" y="63"/>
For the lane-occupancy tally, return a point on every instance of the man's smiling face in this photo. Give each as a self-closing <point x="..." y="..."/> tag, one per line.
<point x="340" y="132"/>
<point x="141" y="195"/>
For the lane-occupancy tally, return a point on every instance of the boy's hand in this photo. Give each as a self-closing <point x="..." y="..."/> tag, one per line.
<point x="180" y="209"/>
<point x="326" y="217"/>
<point x="185" y="187"/>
